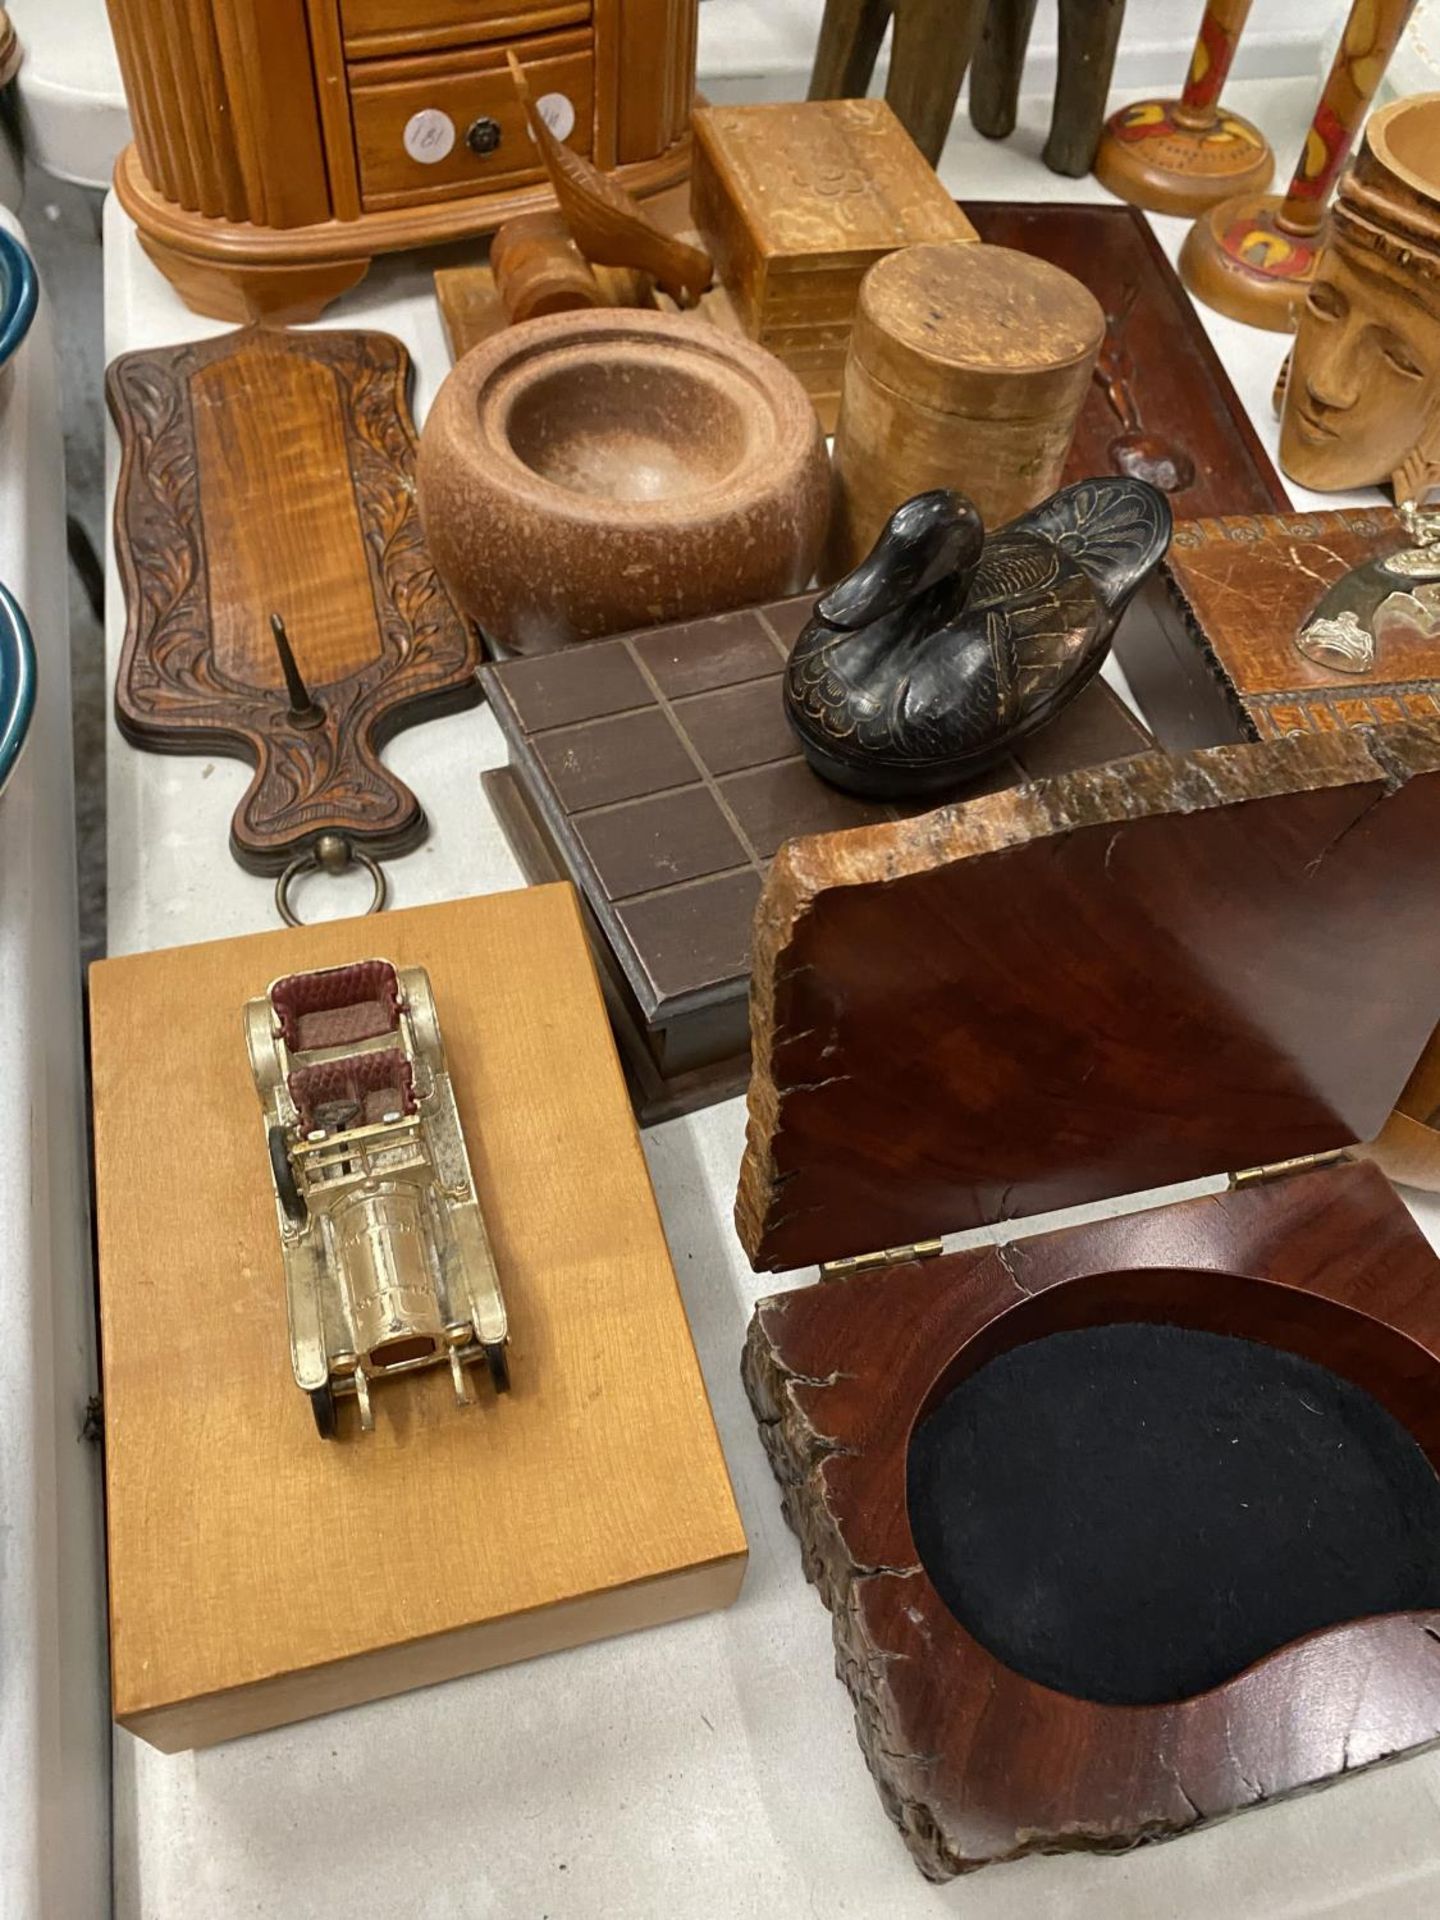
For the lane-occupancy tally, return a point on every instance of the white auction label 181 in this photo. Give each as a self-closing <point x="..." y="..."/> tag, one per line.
<point x="429" y="135"/>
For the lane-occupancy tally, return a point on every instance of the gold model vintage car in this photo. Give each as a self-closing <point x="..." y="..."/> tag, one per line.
<point x="388" y="1266"/>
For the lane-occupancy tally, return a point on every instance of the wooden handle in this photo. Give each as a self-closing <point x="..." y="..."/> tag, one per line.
<point x="1371" y="32"/>
<point x="538" y="268"/>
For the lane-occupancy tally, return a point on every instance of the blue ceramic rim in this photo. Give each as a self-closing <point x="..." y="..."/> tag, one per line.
<point x="22" y="294"/>
<point x="17" y="663"/>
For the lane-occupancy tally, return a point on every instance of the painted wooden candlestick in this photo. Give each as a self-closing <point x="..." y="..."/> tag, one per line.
<point x="1253" y="256"/>
<point x="1182" y="156"/>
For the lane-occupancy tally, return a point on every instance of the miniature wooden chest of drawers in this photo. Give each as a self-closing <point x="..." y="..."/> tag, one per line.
<point x="281" y="144"/>
<point x="466" y="86"/>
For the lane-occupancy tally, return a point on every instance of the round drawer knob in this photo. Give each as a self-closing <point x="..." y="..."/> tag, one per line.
<point x="482" y="136"/>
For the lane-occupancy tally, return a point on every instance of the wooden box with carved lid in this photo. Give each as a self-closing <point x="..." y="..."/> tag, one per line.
<point x="281" y="144"/>
<point x="796" y="201"/>
<point x="1132" y="1524"/>
<point x="1244" y="636"/>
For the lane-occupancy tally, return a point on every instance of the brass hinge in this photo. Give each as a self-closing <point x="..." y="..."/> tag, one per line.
<point x="1282" y="1169"/>
<point x="886" y="1257"/>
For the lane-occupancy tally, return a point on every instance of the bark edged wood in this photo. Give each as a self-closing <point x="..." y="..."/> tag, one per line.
<point x="973" y="1762"/>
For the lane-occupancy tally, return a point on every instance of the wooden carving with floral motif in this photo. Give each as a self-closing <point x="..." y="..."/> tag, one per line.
<point x="268" y="475"/>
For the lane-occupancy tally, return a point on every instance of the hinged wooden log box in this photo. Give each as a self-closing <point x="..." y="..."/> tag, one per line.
<point x="1131" y="1525"/>
<point x="1260" y="625"/>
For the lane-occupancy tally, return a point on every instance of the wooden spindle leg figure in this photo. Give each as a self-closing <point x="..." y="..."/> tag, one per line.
<point x="929" y="53"/>
<point x="1089" y="34"/>
<point x="1182" y="156"/>
<point x="1253" y="256"/>
<point x="931" y="49"/>
<point x="933" y="42"/>
<point x="849" y="44"/>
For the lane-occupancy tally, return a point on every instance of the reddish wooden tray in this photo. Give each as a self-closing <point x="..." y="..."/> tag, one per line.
<point x="1158" y="372"/>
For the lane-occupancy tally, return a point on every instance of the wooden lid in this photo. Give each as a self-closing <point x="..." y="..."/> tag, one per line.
<point x="1096" y="985"/>
<point x="826" y="182"/>
<point x="978" y="330"/>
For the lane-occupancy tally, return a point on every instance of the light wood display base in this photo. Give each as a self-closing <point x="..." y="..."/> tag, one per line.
<point x="259" y="1575"/>
<point x="233" y="270"/>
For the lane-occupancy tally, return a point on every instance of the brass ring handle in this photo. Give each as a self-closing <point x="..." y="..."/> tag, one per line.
<point x="331" y="853"/>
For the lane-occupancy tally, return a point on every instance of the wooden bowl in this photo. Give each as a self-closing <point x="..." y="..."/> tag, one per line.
<point x="592" y="472"/>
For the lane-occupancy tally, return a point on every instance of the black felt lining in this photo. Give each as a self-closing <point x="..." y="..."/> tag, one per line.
<point x="1134" y="1513"/>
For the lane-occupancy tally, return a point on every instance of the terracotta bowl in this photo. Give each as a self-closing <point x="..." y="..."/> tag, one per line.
<point x="592" y="472"/>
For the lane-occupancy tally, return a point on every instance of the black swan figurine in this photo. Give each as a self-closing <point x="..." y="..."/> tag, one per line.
<point x="945" y="646"/>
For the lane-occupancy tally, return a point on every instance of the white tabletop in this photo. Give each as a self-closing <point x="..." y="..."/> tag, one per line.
<point x="703" y="1769"/>
<point x="54" y="1711"/>
<point x="72" y="103"/>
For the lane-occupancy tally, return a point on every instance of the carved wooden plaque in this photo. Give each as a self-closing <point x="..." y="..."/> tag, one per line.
<point x="272" y="474"/>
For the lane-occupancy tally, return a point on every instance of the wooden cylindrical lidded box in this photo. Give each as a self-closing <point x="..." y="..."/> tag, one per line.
<point x="968" y="367"/>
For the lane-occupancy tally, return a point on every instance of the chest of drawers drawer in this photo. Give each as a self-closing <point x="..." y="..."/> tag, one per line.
<point x="377" y="28"/>
<point x="442" y="125"/>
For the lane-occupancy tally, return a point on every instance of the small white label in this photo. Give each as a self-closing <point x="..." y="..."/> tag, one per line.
<point x="557" y="110"/>
<point x="429" y="135"/>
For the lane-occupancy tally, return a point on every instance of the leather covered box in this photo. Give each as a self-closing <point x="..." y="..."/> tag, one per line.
<point x="1210" y="650"/>
<point x="658" y="772"/>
